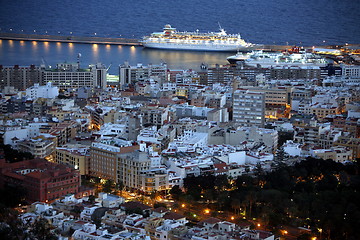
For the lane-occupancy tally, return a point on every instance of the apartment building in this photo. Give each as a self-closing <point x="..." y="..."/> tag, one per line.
<point x="131" y="74"/>
<point x="71" y="76"/>
<point x="77" y="156"/>
<point x="38" y="147"/>
<point x="249" y="107"/>
<point x="20" y="77"/>
<point x="103" y="161"/>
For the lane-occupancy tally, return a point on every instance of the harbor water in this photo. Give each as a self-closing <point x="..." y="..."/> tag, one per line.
<point x="25" y="53"/>
<point x="281" y="22"/>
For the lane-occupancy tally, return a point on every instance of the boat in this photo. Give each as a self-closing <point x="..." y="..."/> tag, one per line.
<point x="238" y="57"/>
<point x="278" y="59"/>
<point x="170" y="38"/>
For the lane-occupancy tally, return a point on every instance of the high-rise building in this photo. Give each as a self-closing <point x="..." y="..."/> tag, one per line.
<point x="249" y="107"/>
<point x="103" y="158"/>
<point x="20" y="77"/>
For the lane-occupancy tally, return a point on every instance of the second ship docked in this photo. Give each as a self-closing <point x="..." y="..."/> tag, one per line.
<point x="218" y="41"/>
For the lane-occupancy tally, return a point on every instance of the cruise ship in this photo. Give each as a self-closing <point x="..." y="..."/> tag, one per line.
<point x="170" y="38"/>
<point x="268" y="59"/>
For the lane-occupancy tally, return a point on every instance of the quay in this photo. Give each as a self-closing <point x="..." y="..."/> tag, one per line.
<point x="69" y="39"/>
<point x="134" y="42"/>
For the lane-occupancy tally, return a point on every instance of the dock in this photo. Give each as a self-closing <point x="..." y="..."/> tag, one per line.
<point x="70" y="39"/>
<point x="129" y="41"/>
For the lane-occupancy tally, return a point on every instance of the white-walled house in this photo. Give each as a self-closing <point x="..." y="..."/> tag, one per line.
<point x="47" y="91"/>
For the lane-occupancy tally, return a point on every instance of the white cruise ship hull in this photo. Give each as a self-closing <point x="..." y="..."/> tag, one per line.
<point x="200" y="47"/>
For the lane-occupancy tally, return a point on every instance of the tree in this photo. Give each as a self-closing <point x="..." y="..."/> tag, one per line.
<point x="159" y="204"/>
<point x="236" y="205"/>
<point x="108" y="186"/>
<point x="304" y="236"/>
<point x="11" y="226"/>
<point x="11" y="155"/>
<point x="92" y="199"/>
<point x="221" y="183"/>
<point x="176" y="192"/>
<point x="250" y="200"/>
<point x="120" y="186"/>
<point x="153" y="195"/>
<point x="259" y="171"/>
<point x="11" y="196"/>
<point x="280" y="158"/>
<point x="41" y="230"/>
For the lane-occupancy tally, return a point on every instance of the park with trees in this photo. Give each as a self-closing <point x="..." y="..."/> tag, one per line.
<point x="320" y="195"/>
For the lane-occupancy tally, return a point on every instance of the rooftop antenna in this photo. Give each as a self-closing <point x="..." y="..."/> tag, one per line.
<point x="222" y="31"/>
<point x="44" y="63"/>
<point x="220" y="26"/>
<point x="108" y="67"/>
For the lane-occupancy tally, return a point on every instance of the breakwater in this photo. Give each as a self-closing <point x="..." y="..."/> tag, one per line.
<point x="69" y="39"/>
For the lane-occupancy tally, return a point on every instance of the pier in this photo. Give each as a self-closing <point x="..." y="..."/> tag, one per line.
<point x="135" y="42"/>
<point x="70" y="39"/>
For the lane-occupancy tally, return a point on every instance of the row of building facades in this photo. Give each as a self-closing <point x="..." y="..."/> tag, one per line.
<point x="157" y="126"/>
<point x="72" y="76"/>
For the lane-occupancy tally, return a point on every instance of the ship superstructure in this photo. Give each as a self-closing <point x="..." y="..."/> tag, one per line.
<point x="266" y="59"/>
<point x="170" y="38"/>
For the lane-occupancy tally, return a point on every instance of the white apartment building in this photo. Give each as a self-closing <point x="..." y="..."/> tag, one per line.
<point x="47" y="91"/>
<point x="269" y="137"/>
<point x="350" y="70"/>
